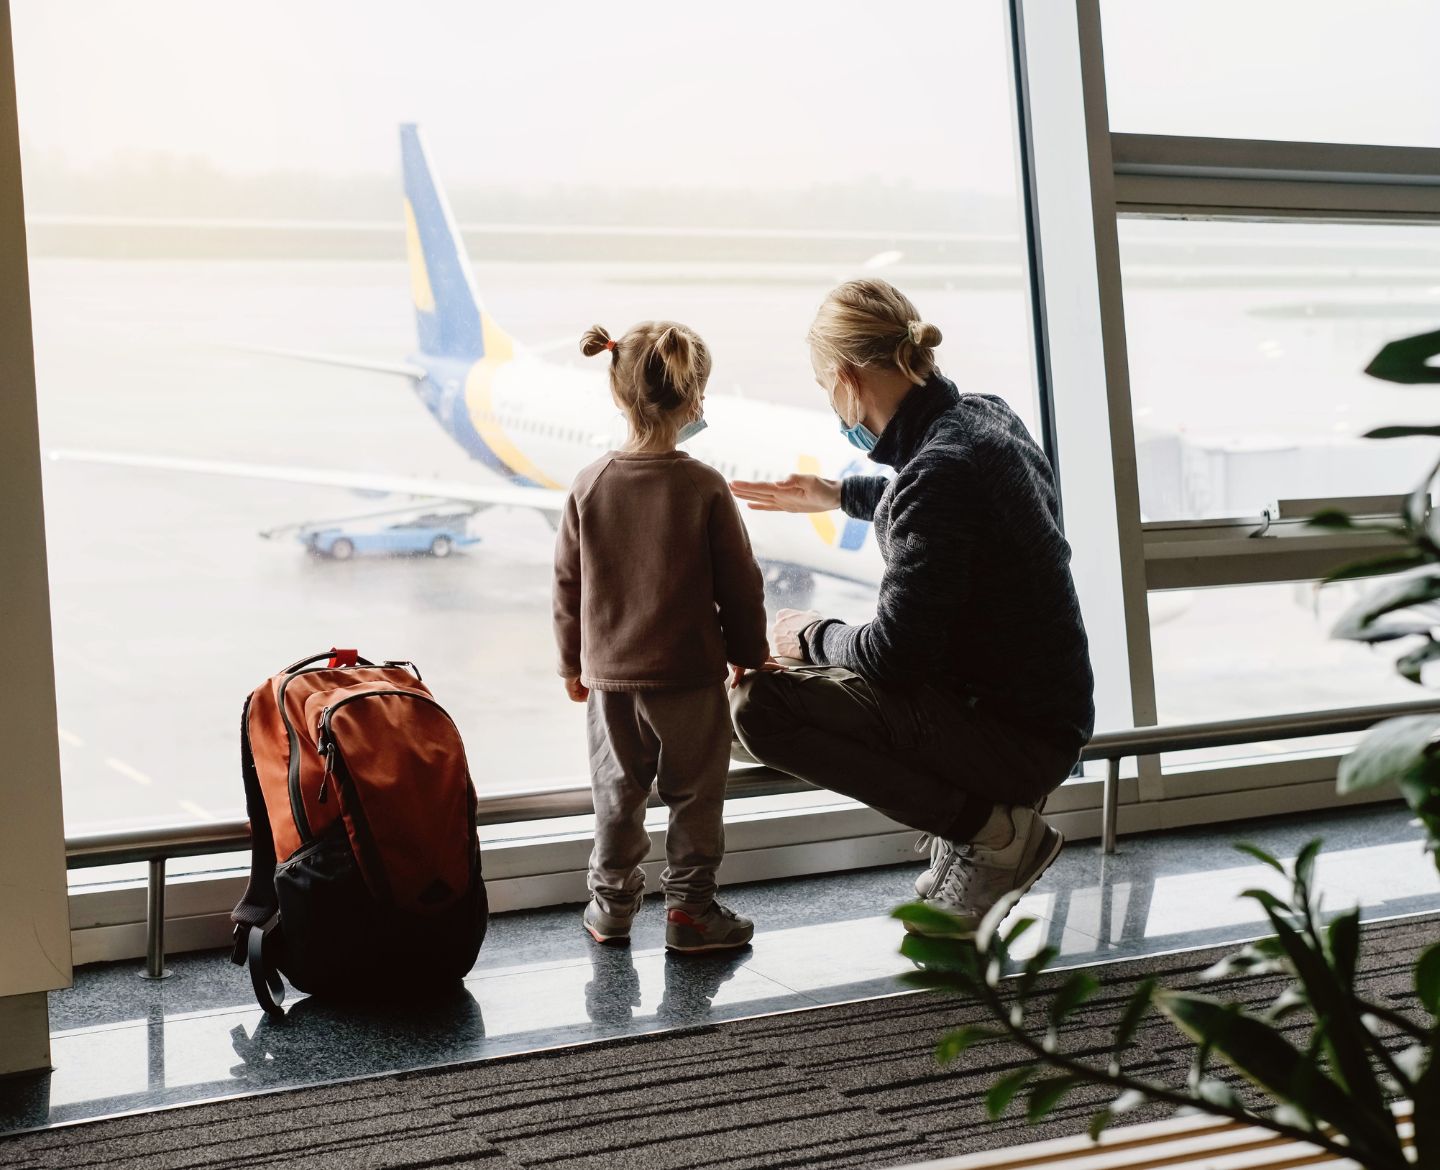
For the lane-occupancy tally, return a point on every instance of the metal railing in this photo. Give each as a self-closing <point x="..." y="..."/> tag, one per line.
<point x="157" y="845"/>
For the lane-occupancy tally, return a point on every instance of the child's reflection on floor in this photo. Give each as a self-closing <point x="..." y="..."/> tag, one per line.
<point x="691" y="985"/>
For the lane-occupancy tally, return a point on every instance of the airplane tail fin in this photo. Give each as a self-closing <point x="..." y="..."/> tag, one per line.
<point x="448" y="316"/>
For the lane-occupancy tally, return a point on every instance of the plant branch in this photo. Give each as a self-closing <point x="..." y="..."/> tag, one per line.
<point x="1152" y="1091"/>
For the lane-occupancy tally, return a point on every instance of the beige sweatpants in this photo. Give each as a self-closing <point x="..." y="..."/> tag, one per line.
<point x="680" y="739"/>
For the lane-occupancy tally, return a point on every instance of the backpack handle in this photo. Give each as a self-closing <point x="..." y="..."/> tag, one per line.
<point x="331" y="655"/>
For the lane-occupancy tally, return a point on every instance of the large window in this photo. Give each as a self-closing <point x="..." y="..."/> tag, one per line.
<point x="1248" y="344"/>
<point x="1302" y="70"/>
<point x="215" y="197"/>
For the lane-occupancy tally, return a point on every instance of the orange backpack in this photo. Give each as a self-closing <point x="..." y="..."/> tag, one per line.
<point x="365" y="865"/>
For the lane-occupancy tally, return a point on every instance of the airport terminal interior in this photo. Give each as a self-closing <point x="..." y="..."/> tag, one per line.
<point x="298" y="365"/>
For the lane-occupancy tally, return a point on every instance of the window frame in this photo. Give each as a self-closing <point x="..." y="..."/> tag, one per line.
<point x="1071" y="193"/>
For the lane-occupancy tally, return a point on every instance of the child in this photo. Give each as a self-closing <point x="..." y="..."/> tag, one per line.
<point x="655" y="591"/>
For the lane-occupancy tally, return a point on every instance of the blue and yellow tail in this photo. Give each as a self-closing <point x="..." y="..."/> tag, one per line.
<point x="448" y="317"/>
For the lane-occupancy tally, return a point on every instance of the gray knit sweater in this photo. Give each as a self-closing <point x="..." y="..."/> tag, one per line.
<point x="977" y="596"/>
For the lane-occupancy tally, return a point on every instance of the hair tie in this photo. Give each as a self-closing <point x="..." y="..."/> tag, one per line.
<point x="609" y="345"/>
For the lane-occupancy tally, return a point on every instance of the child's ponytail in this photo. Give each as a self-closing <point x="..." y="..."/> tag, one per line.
<point x="594" y="340"/>
<point x="680" y="369"/>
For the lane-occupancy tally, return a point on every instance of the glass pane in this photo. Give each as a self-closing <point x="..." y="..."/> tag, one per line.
<point x="188" y="221"/>
<point x="1295" y="70"/>
<point x="1247" y="348"/>
<point x="1251" y="650"/>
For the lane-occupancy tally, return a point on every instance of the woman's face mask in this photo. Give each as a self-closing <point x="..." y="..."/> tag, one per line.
<point x="857" y="433"/>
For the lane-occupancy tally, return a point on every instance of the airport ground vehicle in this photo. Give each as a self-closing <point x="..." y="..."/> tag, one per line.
<point x="433" y="534"/>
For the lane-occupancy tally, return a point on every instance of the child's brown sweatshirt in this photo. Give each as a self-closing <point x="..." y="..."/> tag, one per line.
<point x="655" y="583"/>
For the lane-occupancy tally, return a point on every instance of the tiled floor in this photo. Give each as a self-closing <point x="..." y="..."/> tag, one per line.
<point x="121" y="1043"/>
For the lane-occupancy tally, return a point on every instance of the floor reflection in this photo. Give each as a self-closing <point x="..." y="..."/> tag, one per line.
<point x="122" y="1043"/>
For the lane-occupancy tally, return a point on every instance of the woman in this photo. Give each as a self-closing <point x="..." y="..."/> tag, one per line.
<point x="967" y="698"/>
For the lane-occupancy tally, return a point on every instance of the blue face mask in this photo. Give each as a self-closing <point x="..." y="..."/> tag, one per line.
<point x="690" y="430"/>
<point x="860" y="435"/>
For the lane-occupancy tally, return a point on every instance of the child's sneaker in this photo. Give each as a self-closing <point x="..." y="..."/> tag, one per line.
<point x="607" y="928"/>
<point x="717" y="928"/>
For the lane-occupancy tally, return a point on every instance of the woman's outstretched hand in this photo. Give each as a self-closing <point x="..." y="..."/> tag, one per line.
<point x="786" y="631"/>
<point x="794" y="493"/>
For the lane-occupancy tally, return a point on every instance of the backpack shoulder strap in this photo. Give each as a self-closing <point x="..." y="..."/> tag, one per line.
<point x="259" y="903"/>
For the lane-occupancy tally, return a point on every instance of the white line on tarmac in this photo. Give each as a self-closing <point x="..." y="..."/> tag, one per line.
<point x="128" y="772"/>
<point x="196" y="810"/>
<point x="70" y="737"/>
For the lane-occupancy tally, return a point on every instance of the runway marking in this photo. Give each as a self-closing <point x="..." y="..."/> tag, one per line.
<point x="70" y="737"/>
<point x="195" y="810"/>
<point x="128" y="772"/>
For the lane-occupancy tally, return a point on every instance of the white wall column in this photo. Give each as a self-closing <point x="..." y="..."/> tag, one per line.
<point x="34" y="911"/>
<point x="1070" y="188"/>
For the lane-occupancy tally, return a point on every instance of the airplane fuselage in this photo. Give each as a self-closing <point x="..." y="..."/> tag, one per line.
<point x="537" y="424"/>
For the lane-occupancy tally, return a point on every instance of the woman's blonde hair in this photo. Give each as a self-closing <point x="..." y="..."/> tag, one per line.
<point x="868" y="324"/>
<point x="657" y="371"/>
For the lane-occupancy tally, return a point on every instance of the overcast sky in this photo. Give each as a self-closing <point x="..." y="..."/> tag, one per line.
<point x="776" y="94"/>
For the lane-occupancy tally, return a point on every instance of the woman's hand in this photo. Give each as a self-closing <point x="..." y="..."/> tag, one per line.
<point x="785" y="633"/>
<point x="769" y="666"/>
<point x="577" y="690"/>
<point x="794" y="493"/>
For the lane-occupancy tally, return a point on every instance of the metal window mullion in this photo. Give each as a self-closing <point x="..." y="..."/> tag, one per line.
<point x="1069" y="187"/>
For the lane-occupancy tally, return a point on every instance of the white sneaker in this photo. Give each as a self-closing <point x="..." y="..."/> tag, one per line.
<point x="970" y="877"/>
<point x="940" y="851"/>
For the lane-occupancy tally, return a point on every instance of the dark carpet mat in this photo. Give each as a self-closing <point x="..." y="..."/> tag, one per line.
<point x="845" y="1086"/>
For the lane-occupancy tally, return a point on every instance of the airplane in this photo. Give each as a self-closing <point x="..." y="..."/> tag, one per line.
<point x="536" y="424"/>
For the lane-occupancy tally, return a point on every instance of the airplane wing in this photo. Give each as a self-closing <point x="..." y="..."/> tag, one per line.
<point x="400" y="369"/>
<point x="545" y="500"/>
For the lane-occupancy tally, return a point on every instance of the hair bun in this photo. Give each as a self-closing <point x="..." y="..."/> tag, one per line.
<point x="923" y="333"/>
<point x="594" y="340"/>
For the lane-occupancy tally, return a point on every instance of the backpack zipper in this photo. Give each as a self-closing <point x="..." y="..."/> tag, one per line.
<point x="335" y="766"/>
<point x="297" y="802"/>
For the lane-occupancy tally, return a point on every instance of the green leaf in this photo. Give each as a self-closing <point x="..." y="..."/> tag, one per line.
<point x="1263" y="1056"/>
<point x="1075" y="991"/>
<point x="951" y="981"/>
<point x="1412" y="665"/>
<point x="1305" y="866"/>
<point x="931" y="920"/>
<point x="1034" y="968"/>
<point x="953" y="1044"/>
<point x="985" y="935"/>
<point x="1267" y="898"/>
<point x="1003" y="1091"/>
<point x="1427" y="979"/>
<point x="1260" y="855"/>
<point x="940" y="954"/>
<point x="1017" y="930"/>
<point x="1407" y="361"/>
<point x="1401" y="432"/>
<point x="1361" y="621"/>
<point x="1287" y="1003"/>
<point x="1343" y="938"/>
<point x="1122" y="1104"/>
<point x="1413" y="1061"/>
<point x="1218" y="1093"/>
<point x="1399" y="750"/>
<point x="1378" y="567"/>
<point x="1047" y="1094"/>
<point x="1331" y="518"/>
<point x="1262" y="957"/>
<point x="1135" y="1010"/>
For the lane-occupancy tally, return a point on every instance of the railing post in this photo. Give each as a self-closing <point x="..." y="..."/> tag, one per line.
<point x="1110" y="805"/>
<point x="155" y="922"/>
